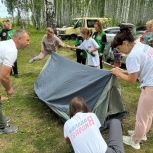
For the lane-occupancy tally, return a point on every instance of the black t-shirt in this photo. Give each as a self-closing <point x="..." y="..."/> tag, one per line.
<point x="4" y="34"/>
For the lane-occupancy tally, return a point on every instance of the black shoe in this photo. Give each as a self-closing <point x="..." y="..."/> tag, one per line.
<point x="16" y="75"/>
<point x="9" y="129"/>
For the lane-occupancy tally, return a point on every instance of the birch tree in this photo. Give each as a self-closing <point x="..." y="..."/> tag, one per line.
<point x="134" y="11"/>
<point x="50" y="13"/>
<point x="37" y="8"/>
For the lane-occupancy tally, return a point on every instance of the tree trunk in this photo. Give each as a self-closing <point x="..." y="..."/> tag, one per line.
<point x="50" y="13"/>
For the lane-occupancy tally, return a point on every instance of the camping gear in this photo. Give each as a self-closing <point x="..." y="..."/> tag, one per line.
<point x="62" y="79"/>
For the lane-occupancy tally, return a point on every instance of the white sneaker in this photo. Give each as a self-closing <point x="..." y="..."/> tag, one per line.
<point x="128" y="141"/>
<point x="9" y="129"/>
<point x="131" y="132"/>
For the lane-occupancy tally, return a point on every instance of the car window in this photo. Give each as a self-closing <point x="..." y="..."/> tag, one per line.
<point x="113" y="31"/>
<point x="90" y="23"/>
<point x="74" y="22"/>
<point x="79" y="23"/>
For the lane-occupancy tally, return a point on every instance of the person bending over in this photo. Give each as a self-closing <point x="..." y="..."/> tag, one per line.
<point x="50" y="43"/>
<point x="8" y="55"/>
<point x="6" y="34"/>
<point x="82" y="131"/>
<point x="139" y="64"/>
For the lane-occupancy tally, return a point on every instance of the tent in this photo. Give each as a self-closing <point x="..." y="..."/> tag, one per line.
<point x="62" y="79"/>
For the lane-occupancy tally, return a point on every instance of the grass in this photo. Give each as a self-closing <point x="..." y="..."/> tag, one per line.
<point x="40" y="130"/>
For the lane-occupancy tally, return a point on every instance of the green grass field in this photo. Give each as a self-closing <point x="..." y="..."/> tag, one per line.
<point x="40" y="130"/>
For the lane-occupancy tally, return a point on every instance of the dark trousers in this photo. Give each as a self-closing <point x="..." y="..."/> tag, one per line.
<point x="15" y="68"/>
<point x="101" y="61"/>
<point x="2" y="121"/>
<point x="115" y="144"/>
<point x="80" y="58"/>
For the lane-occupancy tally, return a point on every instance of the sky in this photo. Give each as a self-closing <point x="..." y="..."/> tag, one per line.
<point x="3" y="11"/>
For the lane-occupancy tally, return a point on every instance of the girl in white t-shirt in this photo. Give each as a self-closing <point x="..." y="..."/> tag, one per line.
<point x="82" y="131"/>
<point x="91" y="47"/>
<point x="139" y="64"/>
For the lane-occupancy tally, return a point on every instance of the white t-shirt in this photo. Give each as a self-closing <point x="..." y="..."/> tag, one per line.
<point x="83" y="131"/>
<point x="8" y="52"/>
<point x="140" y="60"/>
<point x="86" y="45"/>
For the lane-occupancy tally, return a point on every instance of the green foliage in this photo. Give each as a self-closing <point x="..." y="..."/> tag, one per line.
<point x="40" y="130"/>
<point x="132" y="11"/>
<point x="10" y="4"/>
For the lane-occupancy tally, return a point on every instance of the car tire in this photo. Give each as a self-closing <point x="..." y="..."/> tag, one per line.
<point x="73" y="36"/>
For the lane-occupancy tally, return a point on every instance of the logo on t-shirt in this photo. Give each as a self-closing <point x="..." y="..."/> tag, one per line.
<point x="4" y="34"/>
<point x="80" y="127"/>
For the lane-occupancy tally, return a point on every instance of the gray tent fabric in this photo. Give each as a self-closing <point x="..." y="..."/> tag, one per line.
<point x="62" y="79"/>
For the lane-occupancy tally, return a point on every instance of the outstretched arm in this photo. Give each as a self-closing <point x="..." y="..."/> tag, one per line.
<point x="71" y="47"/>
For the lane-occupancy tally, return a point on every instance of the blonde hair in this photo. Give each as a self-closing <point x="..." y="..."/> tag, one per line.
<point x="86" y="31"/>
<point x="150" y="24"/>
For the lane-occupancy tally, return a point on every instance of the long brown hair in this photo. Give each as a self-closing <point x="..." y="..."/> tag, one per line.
<point x="77" y="104"/>
<point x="100" y="26"/>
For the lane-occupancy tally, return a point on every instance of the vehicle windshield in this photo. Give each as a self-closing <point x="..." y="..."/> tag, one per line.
<point x="78" y="23"/>
<point x="74" y="22"/>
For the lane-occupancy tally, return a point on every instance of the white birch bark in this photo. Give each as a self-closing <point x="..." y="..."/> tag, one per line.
<point x="127" y="10"/>
<point x="50" y="13"/>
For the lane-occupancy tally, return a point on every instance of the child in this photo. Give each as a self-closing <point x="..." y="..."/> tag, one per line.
<point x="91" y="47"/>
<point x="117" y="58"/>
<point x="81" y="54"/>
<point x="148" y="34"/>
<point x="6" y="34"/>
<point x="82" y="130"/>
